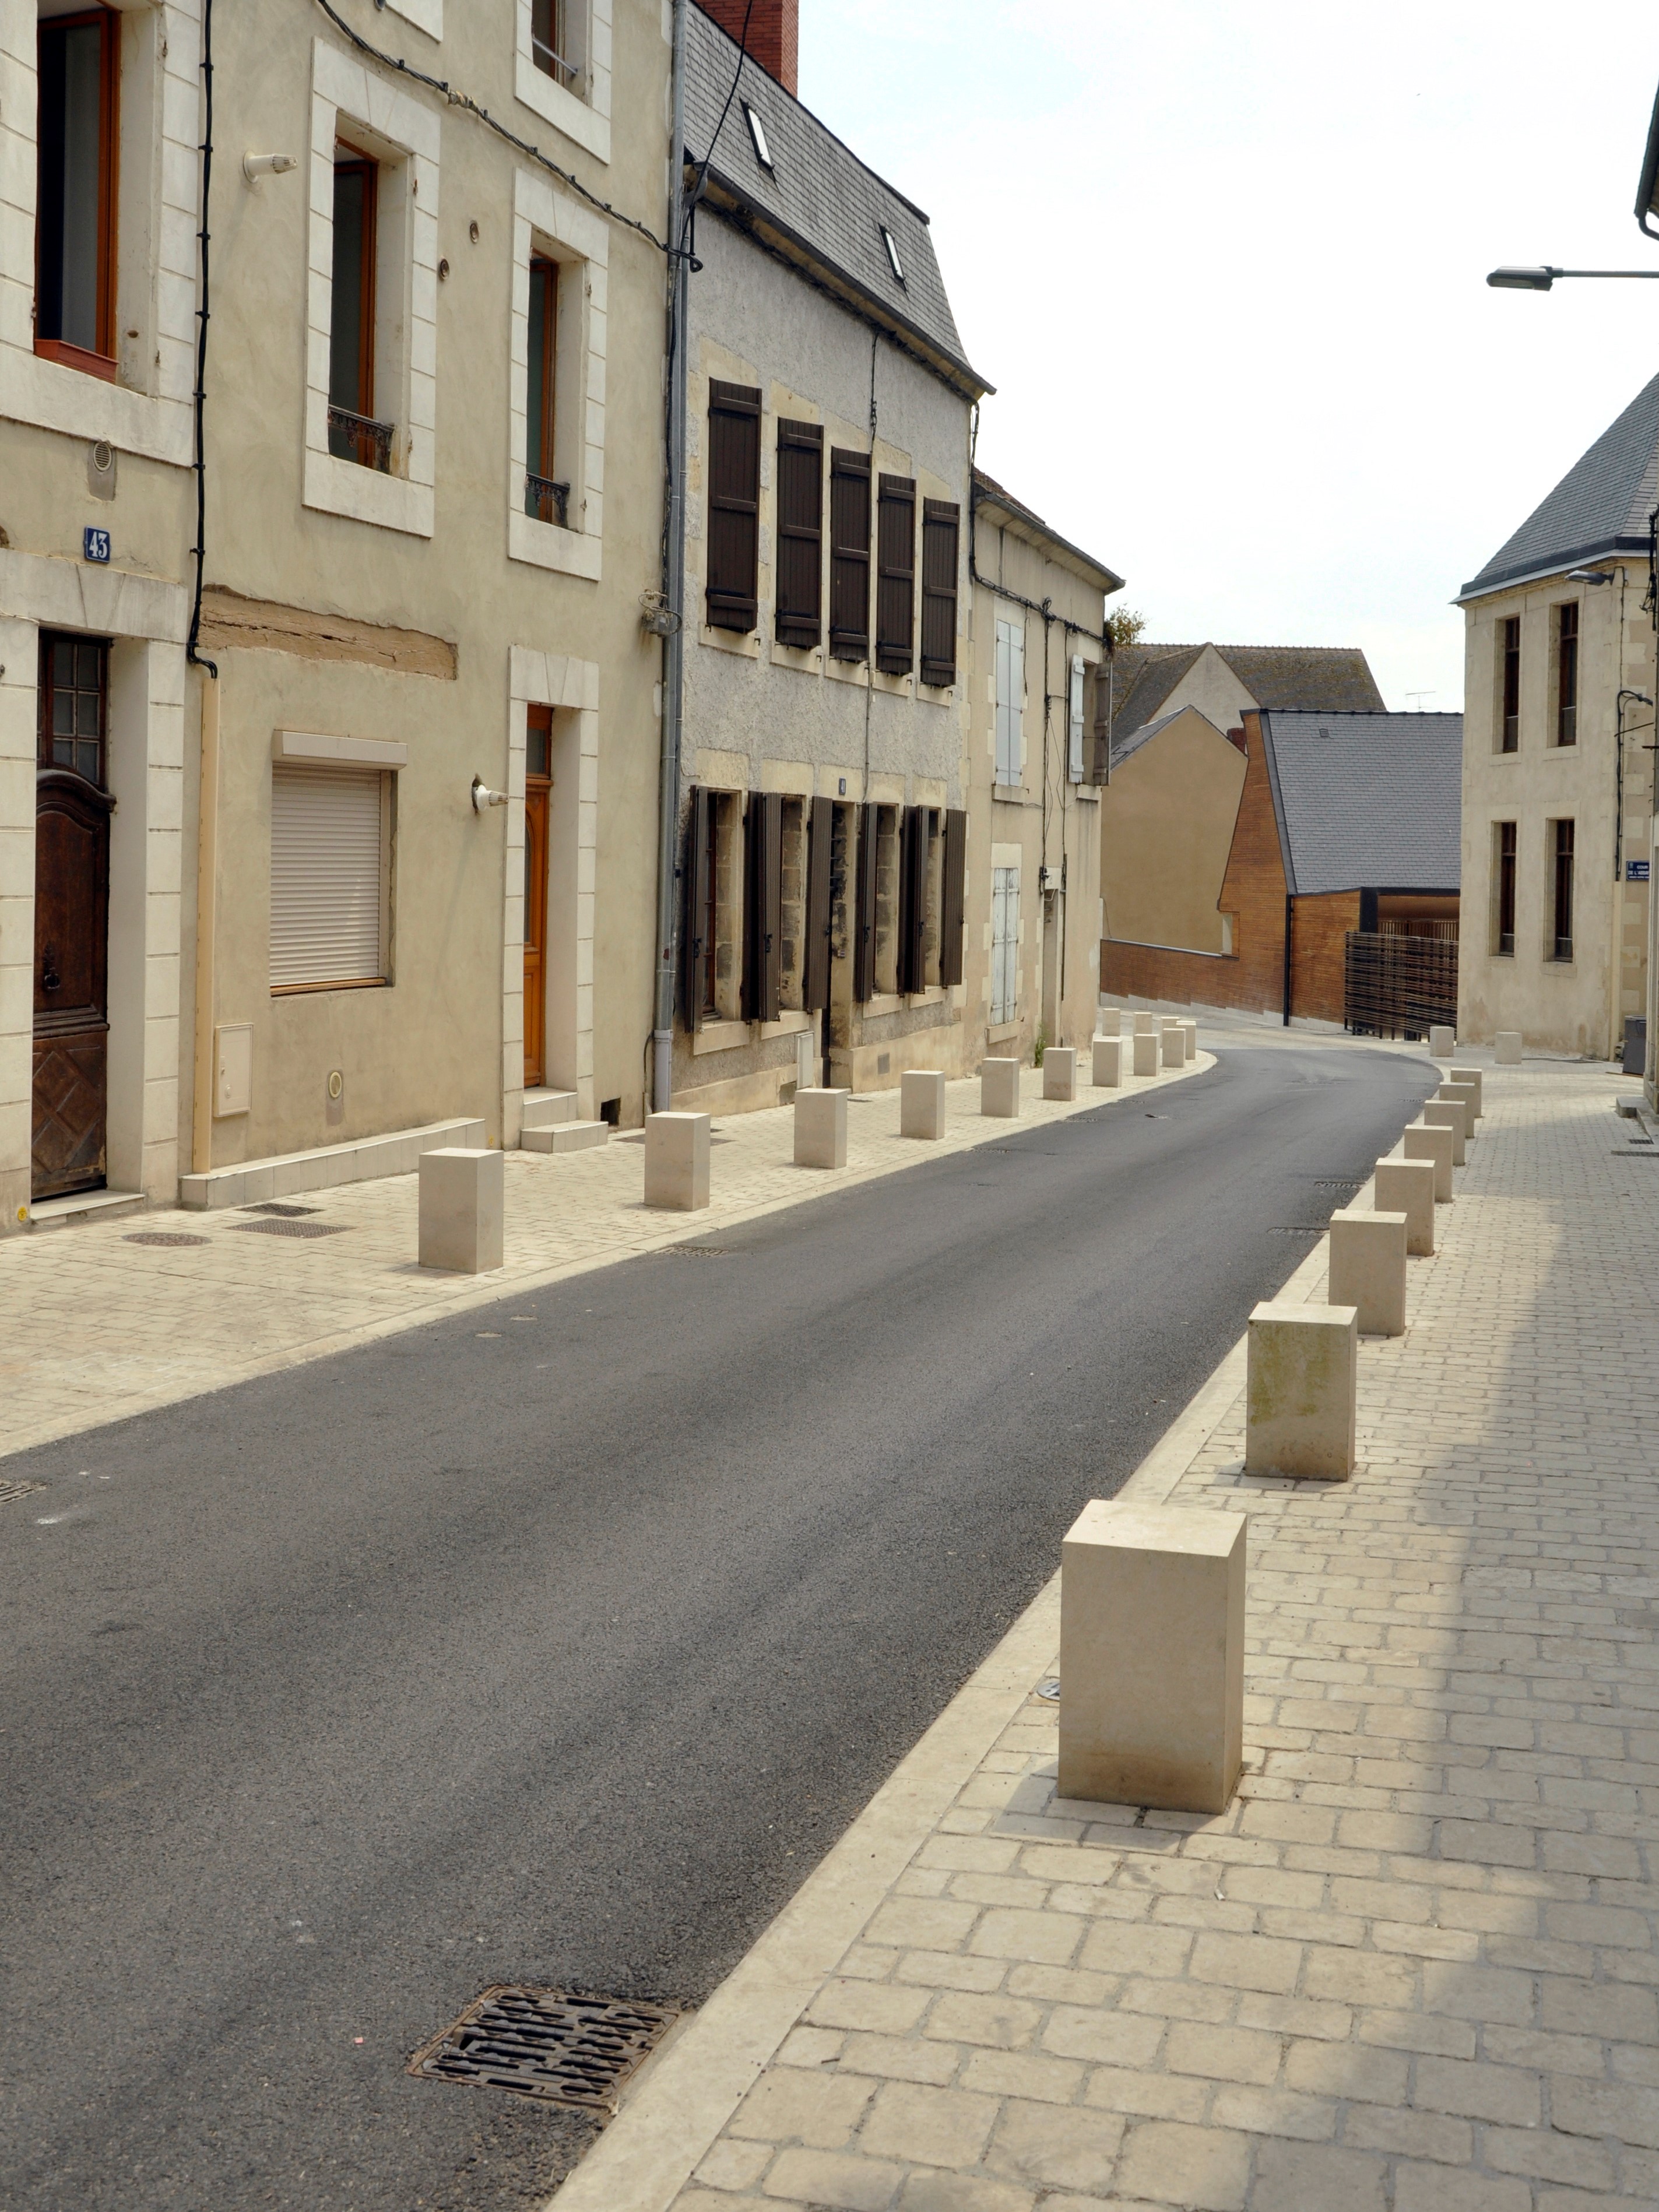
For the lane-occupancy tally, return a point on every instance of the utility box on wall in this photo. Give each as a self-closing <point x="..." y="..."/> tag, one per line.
<point x="232" y="1069"/>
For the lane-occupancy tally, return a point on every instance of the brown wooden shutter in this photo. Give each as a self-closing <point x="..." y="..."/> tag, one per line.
<point x="800" y="534"/>
<point x="864" y="921"/>
<point x="896" y="576"/>
<point x="849" y="554"/>
<point x="913" y="899"/>
<point x="953" y="897"/>
<point x="938" y="591"/>
<point x="814" y="993"/>
<point x="696" y="952"/>
<point x="762" y="967"/>
<point x="733" y="506"/>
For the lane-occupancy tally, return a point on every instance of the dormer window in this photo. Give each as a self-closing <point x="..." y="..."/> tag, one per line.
<point x="891" y="243"/>
<point x="757" y="132"/>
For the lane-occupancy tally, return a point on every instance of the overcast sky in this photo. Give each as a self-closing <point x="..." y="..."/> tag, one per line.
<point x="1225" y="264"/>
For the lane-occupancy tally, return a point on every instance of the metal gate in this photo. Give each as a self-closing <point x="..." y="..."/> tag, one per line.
<point x="1395" y="985"/>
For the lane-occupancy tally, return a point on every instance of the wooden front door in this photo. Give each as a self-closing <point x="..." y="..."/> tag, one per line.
<point x="71" y="919"/>
<point x="537" y="789"/>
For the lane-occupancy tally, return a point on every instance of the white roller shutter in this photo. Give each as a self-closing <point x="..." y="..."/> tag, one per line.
<point x="326" y="876"/>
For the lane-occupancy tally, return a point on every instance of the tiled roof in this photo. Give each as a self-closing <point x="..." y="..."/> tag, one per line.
<point x="1367" y="801"/>
<point x="1600" y="508"/>
<point x="817" y="195"/>
<point x="989" y="492"/>
<point x="1335" y="678"/>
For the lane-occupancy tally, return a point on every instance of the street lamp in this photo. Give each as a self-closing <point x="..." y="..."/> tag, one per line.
<point x="1539" y="280"/>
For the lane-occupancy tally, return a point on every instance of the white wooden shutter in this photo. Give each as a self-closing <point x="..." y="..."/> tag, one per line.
<point x="1074" y="723"/>
<point x="1005" y="944"/>
<point x="1003" y="775"/>
<point x="326" y="876"/>
<point x="1017" y="698"/>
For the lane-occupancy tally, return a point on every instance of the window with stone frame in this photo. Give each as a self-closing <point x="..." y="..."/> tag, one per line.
<point x="888" y="867"/>
<point x="792" y="987"/>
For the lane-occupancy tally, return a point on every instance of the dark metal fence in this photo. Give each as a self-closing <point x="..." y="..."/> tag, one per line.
<point x="1398" y="987"/>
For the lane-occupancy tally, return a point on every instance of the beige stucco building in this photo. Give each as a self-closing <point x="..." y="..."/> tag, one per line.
<point x="1167" y="827"/>
<point x="258" y="912"/>
<point x="1038" y="706"/>
<point x="1558" y="776"/>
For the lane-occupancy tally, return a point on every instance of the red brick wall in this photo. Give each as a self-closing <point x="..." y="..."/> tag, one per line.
<point x="774" y="35"/>
<point x="1161" y="971"/>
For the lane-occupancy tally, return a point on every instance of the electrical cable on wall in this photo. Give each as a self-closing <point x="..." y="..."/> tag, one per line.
<point x="193" y="655"/>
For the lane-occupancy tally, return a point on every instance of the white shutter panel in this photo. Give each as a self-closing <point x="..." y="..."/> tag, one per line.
<point x="325" y="876"/>
<point x="1017" y="697"/>
<point x="1002" y="702"/>
<point x="1074" y="723"/>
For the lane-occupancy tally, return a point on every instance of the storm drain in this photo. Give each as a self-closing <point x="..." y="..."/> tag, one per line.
<point x="280" y="1208"/>
<point x="171" y="1238"/>
<point x="1295" y="1229"/>
<point x="551" y="2043"/>
<point x="11" y="1489"/>
<point x="293" y="1228"/>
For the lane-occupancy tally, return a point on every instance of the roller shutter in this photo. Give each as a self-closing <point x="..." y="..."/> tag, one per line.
<point x="327" y="876"/>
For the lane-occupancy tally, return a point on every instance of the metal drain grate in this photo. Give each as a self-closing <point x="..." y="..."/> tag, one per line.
<point x="279" y="1208"/>
<point x="292" y="1228"/>
<point x="1298" y="1229"/>
<point x="11" y="1489"/>
<point x="564" y="2048"/>
<point x="171" y="1238"/>
<point x="703" y="1252"/>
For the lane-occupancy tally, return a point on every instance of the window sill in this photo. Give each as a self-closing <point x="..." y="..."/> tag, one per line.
<point x="790" y="1022"/>
<point x="720" y="1036"/>
<point x="545" y="546"/>
<point x="346" y="983"/>
<point x="1000" y="1032"/>
<point x="581" y="123"/>
<point x="808" y="659"/>
<point x="744" y="643"/>
<point x="77" y="357"/>
<point x="337" y="487"/>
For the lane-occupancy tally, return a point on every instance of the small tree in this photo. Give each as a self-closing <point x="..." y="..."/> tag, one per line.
<point x="1125" y="627"/>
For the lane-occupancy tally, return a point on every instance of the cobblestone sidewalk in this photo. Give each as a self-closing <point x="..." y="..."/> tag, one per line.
<point x="1413" y="1968"/>
<point x="97" y="1323"/>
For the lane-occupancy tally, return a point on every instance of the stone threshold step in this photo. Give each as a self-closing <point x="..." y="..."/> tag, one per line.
<point x="84" y="1206"/>
<point x="396" y="1153"/>
<point x="544" y="1109"/>
<point x="566" y="1137"/>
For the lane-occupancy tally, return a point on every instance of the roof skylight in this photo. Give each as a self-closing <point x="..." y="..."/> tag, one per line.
<point x="891" y="243"/>
<point x="757" y="132"/>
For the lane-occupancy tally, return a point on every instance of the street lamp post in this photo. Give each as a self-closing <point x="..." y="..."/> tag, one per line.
<point x="1539" y="280"/>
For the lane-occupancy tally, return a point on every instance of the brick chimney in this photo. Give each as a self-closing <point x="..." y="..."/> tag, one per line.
<point x="774" y="33"/>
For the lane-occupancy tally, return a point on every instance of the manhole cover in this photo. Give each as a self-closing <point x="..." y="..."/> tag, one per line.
<point x="292" y="1228"/>
<point x="551" y="2043"/>
<point x="11" y="1489"/>
<point x="279" y="1208"/>
<point x="1050" y="1689"/>
<point x="170" y="1237"/>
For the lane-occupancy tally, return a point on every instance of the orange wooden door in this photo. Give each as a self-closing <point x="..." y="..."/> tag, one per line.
<point x="537" y="787"/>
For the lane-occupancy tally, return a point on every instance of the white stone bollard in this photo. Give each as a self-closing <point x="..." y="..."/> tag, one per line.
<point x="1462" y="1094"/>
<point x="921" y="1102"/>
<point x="1152" y="1657"/>
<point x="1419" y="1142"/>
<point x="1146" y="1053"/>
<point x="1107" y="1055"/>
<point x="1059" y="1071"/>
<point x="1471" y="1075"/>
<point x="463" y="1210"/>
<point x="1302" y="1367"/>
<point x="821" y="1128"/>
<point x="1146" y="1024"/>
<point x="999" y="1088"/>
<point x="1441" y="1114"/>
<point x="1368" y="1268"/>
<point x="1442" y="1042"/>
<point x="1506" y="1048"/>
<point x="1109" y="1022"/>
<point x="676" y="1161"/>
<point x="1406" y="1187"/>
<point x="1174" y="1045"/>
<point x="1189" y="1030"/>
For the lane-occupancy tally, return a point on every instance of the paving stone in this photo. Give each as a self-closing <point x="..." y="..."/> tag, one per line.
<point x="1222" y="2054"/>
<point x="1206" y="2168"/>
<point x="1434" y="2189"/>
<point x="849" y="2184"/>
<point x="821" y="2109"/>
<point x="1008" y="2023"/>
<point x="1054" y="2149"/>
<point x="1293" y="2176"/>
<point x="933" y="2127"/>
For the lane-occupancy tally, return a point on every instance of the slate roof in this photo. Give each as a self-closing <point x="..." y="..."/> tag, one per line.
<point x="1337" y="677"/>
<point x="1122" y="748"/>
<point x="1366" y="801"/>
<point x="1600" y="508"/>
<point x="817" y="198"/>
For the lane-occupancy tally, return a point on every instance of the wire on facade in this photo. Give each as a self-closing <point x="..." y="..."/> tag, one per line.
<point x="204" y="235"/>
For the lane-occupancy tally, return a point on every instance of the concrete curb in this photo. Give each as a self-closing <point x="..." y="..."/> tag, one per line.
<point x="651" y="2151"/>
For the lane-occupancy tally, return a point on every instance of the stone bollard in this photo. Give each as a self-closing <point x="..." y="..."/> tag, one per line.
<point x="1109" y="1022"/>
<point x="1107" y="1055"/>
<point x="1302" y="1366"/>
<point x="821" y="1128"/>
<point x="1442" y="1042"/>
<point x="1174" y="1045"/>
<point x="1472" y="1076"/>
<point x="1441" y="1114"/>
<point x="1368" y="1268"/>
<point x="1152" y="1657"/>
<point x="1146" y="1053"/>
<point x="999" y="1088"/>
<point x="921" y="1102"/>
<point x="1506" y="1048"/>
<point x="1189" y="1030"/>
<point x="1406" y="1187"/>
<point x="1419" y="1142"/>
<point x="1145" y="1025"/>
<point x="463" y="1210"/>
<point x="1059" y="1071"/>
<point x="1462" y="1094"/>
<point x="676" y="1161"/>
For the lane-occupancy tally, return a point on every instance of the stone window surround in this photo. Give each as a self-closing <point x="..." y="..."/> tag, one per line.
<point x="577" y="239"/>
<point x="147" y="622"/>
<point x="536" y="678"/>
<point x="427" y="16"/>
<point x="151" y="415"/>
<point x="341" y="86"/>
<point x="585" y="121"/>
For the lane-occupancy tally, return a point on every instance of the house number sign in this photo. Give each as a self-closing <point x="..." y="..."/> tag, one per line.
<point x="95" y="545"/>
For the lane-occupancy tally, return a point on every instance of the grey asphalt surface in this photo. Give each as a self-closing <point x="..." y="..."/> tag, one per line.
<point x="557" y="1642"/>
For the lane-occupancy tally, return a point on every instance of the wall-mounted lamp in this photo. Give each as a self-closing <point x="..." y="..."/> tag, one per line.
<point x="255" y="165"/>
<point x="1590" y="575"/>
<point x="483" y="796"/>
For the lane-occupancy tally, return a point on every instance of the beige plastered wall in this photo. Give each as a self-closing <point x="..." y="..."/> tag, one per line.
<point x="1580" y="1005"/>
<point x="1167" y="822"/>
<point x="1045" y="819"/>
<point x="1211" y="686"/>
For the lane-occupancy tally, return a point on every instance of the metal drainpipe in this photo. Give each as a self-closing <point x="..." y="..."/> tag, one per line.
<point x="1289" y="923"/>
<point x="673" y="650"/>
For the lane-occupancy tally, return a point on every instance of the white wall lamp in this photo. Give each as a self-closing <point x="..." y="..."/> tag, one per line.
<point x="483" y="796"/>
<point x="255" y="165"/>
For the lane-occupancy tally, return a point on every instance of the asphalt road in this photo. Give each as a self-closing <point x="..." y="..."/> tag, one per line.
<point x="557" y="1642"/>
